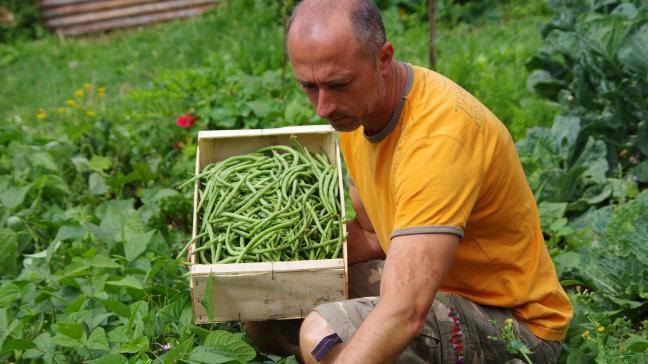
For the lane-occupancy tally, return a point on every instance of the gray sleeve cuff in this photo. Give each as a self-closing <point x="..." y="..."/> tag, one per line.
<point x="429" y="229"/>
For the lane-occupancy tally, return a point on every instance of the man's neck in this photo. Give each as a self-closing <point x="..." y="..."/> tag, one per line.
<point x="393" y="93"/>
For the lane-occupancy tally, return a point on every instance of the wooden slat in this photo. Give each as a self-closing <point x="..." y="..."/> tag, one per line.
<point x="131" y="21"/>
<point x="91" y="6"/>
<point x="51" y="3"/>
<point x="265" y="295"/>
<point x="136" y="10"/>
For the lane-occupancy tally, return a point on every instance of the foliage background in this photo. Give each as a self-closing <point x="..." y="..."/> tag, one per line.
<point x="90" y="158"/>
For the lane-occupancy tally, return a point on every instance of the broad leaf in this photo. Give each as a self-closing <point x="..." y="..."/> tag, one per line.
<point x="102" y="261"/>
<point x="72" y="330"/>
<point x="129" y="282"/>
<point x="17" y="344"/>
<point x="14" y="197"/>
<point x="70" y="232"/>
<point x="44" y="160"/>
<point x="229" y="345"/>
<point x="8" y="252"/>
<point x="633" y="53"/>
<point x="110" y="359"/>
<point x="99" y="163"/>
<point x="206" y="299"/>
<point x="97" y="340"/>
<point x="135" y="243"/>
<point x="636" y="344"/>
<point x="136" y="345"/>
<point x="97" y="184"/>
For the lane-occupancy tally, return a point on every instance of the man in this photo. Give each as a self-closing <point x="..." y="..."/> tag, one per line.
<point x="438" y="187"/>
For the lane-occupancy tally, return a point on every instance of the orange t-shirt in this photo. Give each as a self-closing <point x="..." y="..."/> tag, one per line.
<point x="446" y="164"/>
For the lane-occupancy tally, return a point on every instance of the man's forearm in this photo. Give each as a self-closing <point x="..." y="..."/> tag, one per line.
<point x="382" y="337"/>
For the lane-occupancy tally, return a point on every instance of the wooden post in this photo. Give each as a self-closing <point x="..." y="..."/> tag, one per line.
<point x="432" y="20"/>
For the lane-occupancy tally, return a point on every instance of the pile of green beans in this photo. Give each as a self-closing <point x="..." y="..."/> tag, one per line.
<point x="276" y="204"/>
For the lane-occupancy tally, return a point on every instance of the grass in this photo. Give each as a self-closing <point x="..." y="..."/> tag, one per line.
<point x="486" y="58"/>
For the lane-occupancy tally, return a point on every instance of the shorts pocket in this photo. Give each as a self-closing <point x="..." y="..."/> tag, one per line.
<point x="425" y="348"/>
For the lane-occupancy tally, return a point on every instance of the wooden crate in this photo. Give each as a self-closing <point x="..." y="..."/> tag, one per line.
<point x="78" y="17"/>
<point x="263" y="291"/>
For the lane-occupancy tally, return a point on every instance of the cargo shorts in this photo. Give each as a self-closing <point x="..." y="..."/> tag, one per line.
<point x="456" y="330"/>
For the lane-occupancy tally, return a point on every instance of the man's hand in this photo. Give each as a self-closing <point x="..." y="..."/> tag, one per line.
<point x="414" y="270"/>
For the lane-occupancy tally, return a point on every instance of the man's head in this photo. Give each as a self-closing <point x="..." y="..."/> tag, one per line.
<point x="341" y="58"/>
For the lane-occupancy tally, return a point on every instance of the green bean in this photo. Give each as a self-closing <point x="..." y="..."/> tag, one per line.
<point x="279" y="203"/>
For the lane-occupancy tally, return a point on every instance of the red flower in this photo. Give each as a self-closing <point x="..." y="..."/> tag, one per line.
<point x="186" y="121"/>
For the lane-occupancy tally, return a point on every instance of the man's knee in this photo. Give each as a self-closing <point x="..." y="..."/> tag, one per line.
<point x="313" y="330"/>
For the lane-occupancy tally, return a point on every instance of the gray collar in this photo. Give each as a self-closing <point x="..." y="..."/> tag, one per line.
<point x="397" y="114"/>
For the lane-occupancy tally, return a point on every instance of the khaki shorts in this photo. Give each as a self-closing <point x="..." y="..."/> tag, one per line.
<point x="457" y="330"/>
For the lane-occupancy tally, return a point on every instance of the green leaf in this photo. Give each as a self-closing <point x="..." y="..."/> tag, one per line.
<point x="102" y="261"/>
<point x="260" y="108"/>
<point x="66" y="341"/>
<point x="119" y="335"/>
<point x="70" y="232"/>
<point x="628" y="10"/>
<point x="9" y="293"/>
<point x="75" y="305"/>
<point x="642" y="135"/>
<point x="289" y="360"/>
<point x="633" y="53"/>
<point x="14" y="197"/>
<point x="72" y="330"/>
<point x="137" y="345"/>
<point x="97" y="340"/>
<point x="135" y="243"/>
<point x="208" y="355"/>
<point x="110" y="359"/>
<point x="543" y="83"/>
<point x="296" y="112"/>
<point x="8" y="252"/>
<point x="117" y="307"/>
<point x="97" y="184"/>
<point x="206" y="299"/>
<point x="550" y="212"/>
<point x="7" y="326"/>
<point x="44" y="160"/>
<point x="222" y="347"/>
<point x="178" y="353"/>
<point x="17" y="344"/>
<point x="129" y="282"/>
<point x="641" y="171"/>
<point x="99" y="163"/>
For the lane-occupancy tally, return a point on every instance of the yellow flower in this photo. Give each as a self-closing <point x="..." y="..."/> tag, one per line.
<point x="70" y="102"/>
<point x="91" y="113"/>
<point x="509" y="321"/>
<point x="585" y="333"/>
<point x="600" y="329"/>
<point x="102" y="91"/>
<point x="87" y="86"/>
<point x="61" y="110"/>
<point x="79" y="93"/>
<point x="41" y="114"/>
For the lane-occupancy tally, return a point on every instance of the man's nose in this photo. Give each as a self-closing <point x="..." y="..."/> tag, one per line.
<point x="325" y="104"/>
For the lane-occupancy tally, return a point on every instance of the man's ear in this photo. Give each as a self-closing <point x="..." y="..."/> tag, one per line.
<point x="385" y="57"/>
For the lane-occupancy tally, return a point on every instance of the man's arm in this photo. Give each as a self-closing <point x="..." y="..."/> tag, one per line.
<point x="415" y="267"/>
<point x="363" y="243"/>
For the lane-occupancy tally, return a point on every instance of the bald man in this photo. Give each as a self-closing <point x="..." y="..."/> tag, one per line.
<point x="440" y="195"/>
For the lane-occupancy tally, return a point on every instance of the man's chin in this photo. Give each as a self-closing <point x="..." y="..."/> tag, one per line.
<point x="345" y="124"/>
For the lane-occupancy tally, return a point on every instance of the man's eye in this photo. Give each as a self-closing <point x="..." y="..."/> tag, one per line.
<point x="339" y="86"/>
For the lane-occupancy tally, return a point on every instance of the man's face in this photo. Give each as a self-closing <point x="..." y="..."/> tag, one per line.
<point x="343" y="84"/>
